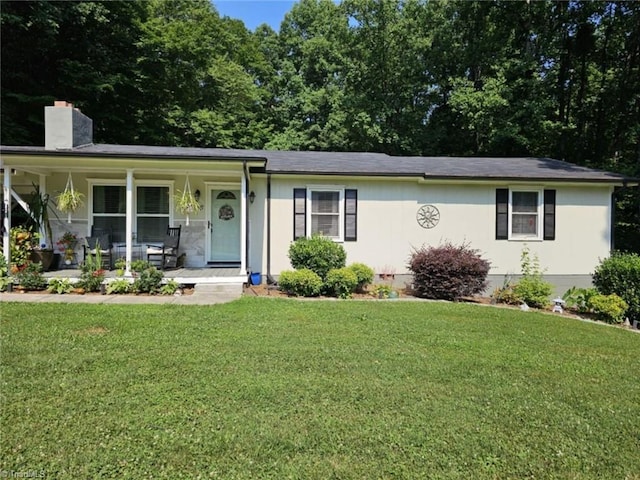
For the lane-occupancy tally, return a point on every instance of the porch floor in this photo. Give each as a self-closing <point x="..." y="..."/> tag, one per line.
<point x="196" y="276"/>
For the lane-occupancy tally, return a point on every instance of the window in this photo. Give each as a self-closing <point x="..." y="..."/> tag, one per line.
<point x="327" y="211"/>
<point x="524" y="214"/>
<point x="151" y="207"/>
<point x="152" y="213"/>
<point x="109" y="210"/>
<point x="527" y="214"/>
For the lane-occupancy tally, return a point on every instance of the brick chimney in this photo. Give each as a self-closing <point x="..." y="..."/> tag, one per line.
<point x="66" y="127"/>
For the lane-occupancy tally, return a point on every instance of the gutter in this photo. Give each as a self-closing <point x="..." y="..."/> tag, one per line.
<point x="611" y="181"/>
<point x="122" y="155"/>
<point x="475" y="178"/>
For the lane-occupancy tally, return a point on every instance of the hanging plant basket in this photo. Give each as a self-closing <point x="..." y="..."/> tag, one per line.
<point x="186" y="202"/>
<point x="70" y="199"/>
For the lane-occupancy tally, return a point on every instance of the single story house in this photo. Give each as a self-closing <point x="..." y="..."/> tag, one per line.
<point x="379" y="207"/>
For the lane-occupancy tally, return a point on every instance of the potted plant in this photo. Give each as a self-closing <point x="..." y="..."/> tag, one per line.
<point x="186" y="202"/>
<point x="67" y="246"/>
<point x="39" y="214"/>
<point x="121" y="265"/>
<point x="70" y="199"/>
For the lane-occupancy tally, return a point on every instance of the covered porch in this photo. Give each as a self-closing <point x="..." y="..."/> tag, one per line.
<point x="133" y="196"/>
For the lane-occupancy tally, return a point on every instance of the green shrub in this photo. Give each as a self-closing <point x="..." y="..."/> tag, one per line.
<point x="318" y="254"/>
<point x="5" y="280"/>
<point x="620" y="274"/>
<point x="119" y="286"/>
<point x="364" y="274"/>
<point x="448" y="272"/>
<point x="303" y="282"/>
<point x="532" y="289"/>
<point x="169" y="288"/>
<point x="341" y="282"/>
<point x="381" y="290"/>
<point x="139" y="266"/>
<point x="59" y="285"/>
<point x="29" y="276"/>
<point x="92" y="274"/>
<point x="579" y="298"/>
<point x="4" y="268"/>
<point x="21" y="243"/>
<point x="149" y="280"/>
<point x="506" y="293"/>
<point x="609" y="308"/>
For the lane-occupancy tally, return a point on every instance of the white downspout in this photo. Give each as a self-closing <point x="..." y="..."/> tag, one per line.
<point x="243" y="224"/>
<point x="129" y="222"/>
<point x="6" y="220"/>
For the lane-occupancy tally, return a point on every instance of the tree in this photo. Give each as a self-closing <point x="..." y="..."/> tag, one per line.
<point x="308" y="94"/>
<point x="79" y="51"/>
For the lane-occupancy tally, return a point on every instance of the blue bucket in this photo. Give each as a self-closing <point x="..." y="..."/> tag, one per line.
<point x="256" y="278"/>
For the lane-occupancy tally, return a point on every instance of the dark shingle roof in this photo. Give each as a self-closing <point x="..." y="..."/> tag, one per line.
<point x="358" y="163"/>
<point x="137" y="151"/>
<point x="496" y="168"/>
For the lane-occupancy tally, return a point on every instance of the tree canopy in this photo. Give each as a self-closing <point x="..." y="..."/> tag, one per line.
<point x="405" y="77"/>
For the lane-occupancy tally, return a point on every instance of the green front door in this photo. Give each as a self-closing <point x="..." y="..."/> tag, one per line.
<point x="225" y="226"/>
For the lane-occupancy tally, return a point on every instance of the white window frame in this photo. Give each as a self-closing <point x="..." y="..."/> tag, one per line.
<point x="102" y="183"/>
<point x="106" y="182"/>
<point x="327" y="188"/>
<point x="151" y="183"/>
<point x="539" y="212"/>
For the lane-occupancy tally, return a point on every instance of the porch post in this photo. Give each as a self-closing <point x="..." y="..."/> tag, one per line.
<point x="243" y="224"/>
<point x="129" y="222"/>
<point x="42" y="180"/>
<point x="6" y="218"/>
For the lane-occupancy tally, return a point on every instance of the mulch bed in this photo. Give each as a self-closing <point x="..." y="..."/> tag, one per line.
<point x="265" y="290"/>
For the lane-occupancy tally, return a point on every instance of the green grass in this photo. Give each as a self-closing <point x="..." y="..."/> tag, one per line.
<point x="265" y="388"/>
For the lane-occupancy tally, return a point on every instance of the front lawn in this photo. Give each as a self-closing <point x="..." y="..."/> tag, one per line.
<point x="267" y="388"/>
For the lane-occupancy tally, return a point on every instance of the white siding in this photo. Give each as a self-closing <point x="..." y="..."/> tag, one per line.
<point x="388" y="229"/>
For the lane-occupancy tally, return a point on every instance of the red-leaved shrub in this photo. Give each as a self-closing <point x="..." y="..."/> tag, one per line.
<point x="448" y="272"/>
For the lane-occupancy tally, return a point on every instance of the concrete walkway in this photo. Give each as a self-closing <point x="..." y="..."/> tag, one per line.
<point x="202" y="295"/>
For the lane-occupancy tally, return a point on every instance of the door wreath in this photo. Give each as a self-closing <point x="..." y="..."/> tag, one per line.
<point x="226" y="212"/>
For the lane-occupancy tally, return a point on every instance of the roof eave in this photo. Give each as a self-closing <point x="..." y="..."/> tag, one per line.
<point x="142" y="156"/>
<point x="622" y="181"/>
<point x="343" y="173"/>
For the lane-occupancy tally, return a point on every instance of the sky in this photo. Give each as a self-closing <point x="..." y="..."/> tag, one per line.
<point x="255" y="12"/>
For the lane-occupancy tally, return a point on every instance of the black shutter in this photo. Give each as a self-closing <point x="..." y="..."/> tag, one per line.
<point x="549" y="215"/>
<point x="350" y="215"/>
<point x="299" y="213"/>
<point x="502" y="213"/>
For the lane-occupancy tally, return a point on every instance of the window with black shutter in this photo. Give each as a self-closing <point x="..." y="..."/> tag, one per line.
<point x="299" y="213"/>
<point x="502" y="213"/>
<point x="325" y="210"/>
<point x="350" y="215"/>
<point x="523" y="214"/>
<point x="549" y="215"/>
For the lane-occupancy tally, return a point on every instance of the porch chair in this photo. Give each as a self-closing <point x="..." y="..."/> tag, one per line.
<point x="100" y="239"/>
<point x="168" y="251"/>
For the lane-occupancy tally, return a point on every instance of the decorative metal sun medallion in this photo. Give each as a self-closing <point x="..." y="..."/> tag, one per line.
<point x="428" y="216"/>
